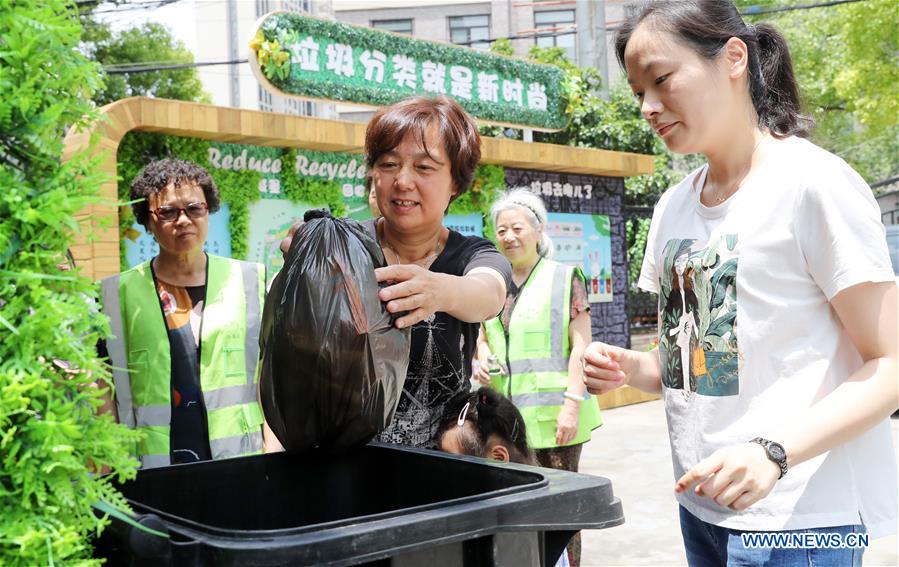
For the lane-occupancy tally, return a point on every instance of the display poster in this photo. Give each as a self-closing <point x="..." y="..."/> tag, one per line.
<point x="585" y="241"/>
<point x="270" y="220"/>
<point x="466" y="225"/>
<point x="141" y="246"/>
<point x="272" y="215"/>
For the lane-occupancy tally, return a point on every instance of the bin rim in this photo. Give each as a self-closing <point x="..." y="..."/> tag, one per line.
<point x="540" y="480"/>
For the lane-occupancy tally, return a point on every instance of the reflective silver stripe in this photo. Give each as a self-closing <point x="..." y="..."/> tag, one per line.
<point x="229" y="396"/>
<point x="148" y="416"/>
<point x="540" y="365"/>
<point x="115" y="346"/>
<point x="557" y="315"/>
<point x="534" y="399"/>
<point x="154" y="461"/>
<point x="250" y="274"/>
<point x="236" y="445"/>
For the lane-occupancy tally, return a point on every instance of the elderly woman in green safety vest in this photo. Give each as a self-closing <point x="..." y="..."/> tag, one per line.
<point x="532" y="351"/>
<point x="184" y="344"/>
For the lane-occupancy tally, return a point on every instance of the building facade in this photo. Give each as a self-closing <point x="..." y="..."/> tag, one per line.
<point x="218" y="31"/>
<point x="583" y="28"/>
<point x="223" y="31"/>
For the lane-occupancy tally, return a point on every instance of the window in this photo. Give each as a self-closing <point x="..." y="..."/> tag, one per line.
<point x="297" y="107"/>
<point x="265" y="100"/>
<point x="396" y="26"/>
<point x="263" y="7"/>
<point x="471" y="31"/>
<point x="632" y="10"/>
<point x="561" y="24"/>
<point x="296" y="6"/>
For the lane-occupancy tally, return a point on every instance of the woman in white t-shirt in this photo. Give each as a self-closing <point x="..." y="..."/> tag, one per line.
<point x="782" y="423"/>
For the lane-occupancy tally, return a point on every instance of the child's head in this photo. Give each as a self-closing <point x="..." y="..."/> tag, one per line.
<point x="484" y="424"/>
<point x="696" y="68"/>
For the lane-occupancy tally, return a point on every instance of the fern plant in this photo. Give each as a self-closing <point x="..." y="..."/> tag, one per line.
<point x="52" y="444"/>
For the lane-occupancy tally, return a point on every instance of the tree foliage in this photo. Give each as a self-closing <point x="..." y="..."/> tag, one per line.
<point x="846" y="59"/>
<point x="614" y="124"/>
<point x="51" y="443"/>
<point x="148" y="43"/>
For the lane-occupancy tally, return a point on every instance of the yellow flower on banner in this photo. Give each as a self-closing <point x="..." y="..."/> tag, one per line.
<point x="257" y="40"/>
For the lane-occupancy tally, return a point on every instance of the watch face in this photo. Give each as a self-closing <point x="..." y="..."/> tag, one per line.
<point x="776" y="451"/>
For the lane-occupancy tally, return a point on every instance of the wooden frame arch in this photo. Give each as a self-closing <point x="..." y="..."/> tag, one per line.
<point x="100" y="257"/>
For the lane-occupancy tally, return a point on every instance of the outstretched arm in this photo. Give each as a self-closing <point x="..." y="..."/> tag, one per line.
<point x="608" y="367"/>
<point x="740" y="475"/>
<point x="473" y="298"/>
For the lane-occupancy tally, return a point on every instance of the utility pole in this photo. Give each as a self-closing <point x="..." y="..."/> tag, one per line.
<point x="590" y="16"/>
<point x="233" y="54"/>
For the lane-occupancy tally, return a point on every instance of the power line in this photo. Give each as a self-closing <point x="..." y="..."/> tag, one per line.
<point x="132" y="6"/>
<point x="523" y="36"/>
<point x="120" y="68"/>
<point x="756" y="10"/>
<point x="152" y="69"/>
<point x="152" y="66"/>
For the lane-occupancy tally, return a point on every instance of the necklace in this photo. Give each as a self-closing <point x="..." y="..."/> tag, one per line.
<point x="717" y="200"/>
<point x="423" y="262"/>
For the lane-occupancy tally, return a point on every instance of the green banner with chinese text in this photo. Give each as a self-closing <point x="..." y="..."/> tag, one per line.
<point x="308" y="57"/>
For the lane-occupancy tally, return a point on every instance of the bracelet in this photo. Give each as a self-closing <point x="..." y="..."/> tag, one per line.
<point x="574" y="397"/>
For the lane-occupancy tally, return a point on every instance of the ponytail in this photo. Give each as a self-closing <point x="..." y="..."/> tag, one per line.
<point x="490" y="414"/>
<point x="773" y="87"/>
<point x="706" y="26"/>
<point x="545" y="247"/>
<point x="497" y="415"/>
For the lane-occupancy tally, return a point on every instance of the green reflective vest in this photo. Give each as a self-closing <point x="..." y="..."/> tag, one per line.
<point x="536" y="350"/>
<point x="229" y="358"/>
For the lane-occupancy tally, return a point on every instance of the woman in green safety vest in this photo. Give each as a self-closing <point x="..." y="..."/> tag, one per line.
<point x="532" y="351"/>
<point x="185" y="329"/>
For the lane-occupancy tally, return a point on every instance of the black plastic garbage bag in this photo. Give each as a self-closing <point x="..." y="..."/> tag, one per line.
<point x="333" y="364"/>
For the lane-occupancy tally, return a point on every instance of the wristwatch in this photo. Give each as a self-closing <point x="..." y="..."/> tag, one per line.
<point x="776" y="454"/>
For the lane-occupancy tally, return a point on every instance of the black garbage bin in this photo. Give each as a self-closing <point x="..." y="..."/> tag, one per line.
<point x="383" y="505"/>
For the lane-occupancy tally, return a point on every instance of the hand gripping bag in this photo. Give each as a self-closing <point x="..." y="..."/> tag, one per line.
<point x="333" y="364"/>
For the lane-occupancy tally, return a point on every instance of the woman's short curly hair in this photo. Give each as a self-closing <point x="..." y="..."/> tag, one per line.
<point x="157" y="175"/>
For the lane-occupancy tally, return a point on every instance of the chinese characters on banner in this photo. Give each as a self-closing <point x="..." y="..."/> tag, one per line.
<point x="558" y="189"/>
<point x="490" y="87"/>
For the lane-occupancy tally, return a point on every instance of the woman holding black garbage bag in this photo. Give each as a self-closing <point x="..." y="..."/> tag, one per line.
<point x="422" y="154"/>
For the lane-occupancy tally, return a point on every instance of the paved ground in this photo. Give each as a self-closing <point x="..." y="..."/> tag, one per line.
<point x="632" y="450"/>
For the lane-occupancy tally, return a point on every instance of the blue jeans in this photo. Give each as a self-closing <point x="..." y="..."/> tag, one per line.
<point x="708" y="545"/>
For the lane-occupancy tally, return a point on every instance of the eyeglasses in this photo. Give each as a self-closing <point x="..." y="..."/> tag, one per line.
<point x="192" y="210"/>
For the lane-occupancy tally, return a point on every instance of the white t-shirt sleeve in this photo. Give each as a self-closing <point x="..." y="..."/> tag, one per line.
<point x="840" y="232"/>
<point x="649" y="277"/>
